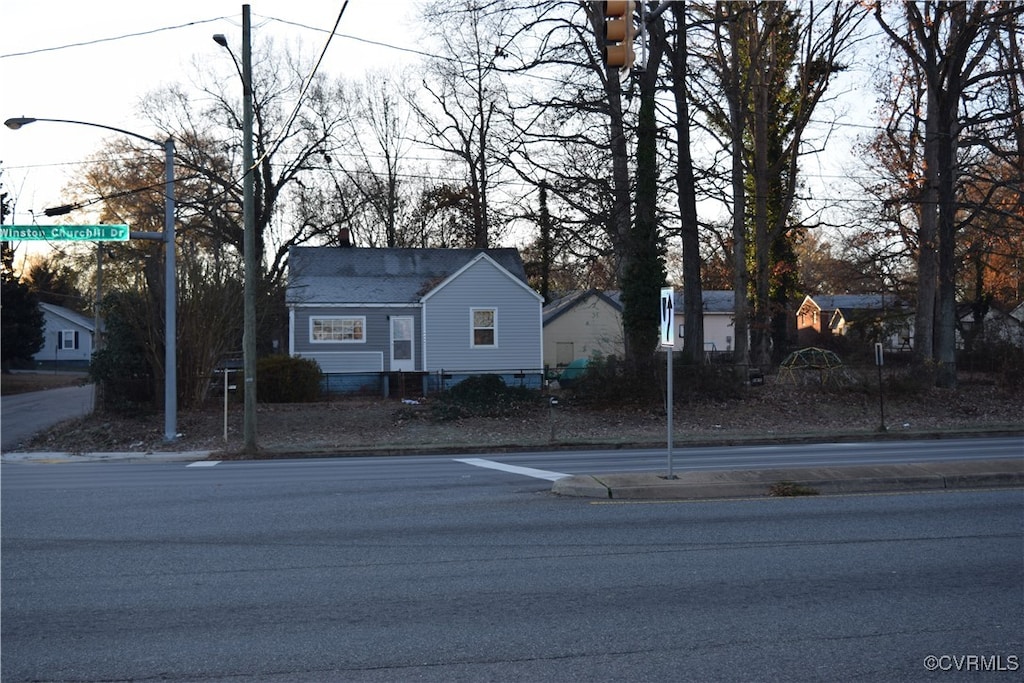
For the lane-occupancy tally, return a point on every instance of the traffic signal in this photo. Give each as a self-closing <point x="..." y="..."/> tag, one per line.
<point x="618" y="33"/>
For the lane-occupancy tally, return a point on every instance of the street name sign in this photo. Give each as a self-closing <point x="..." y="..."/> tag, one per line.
<point x="65" y="233"/>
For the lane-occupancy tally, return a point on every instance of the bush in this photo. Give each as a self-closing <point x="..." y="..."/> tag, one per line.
<point x="285" y="379"/>
<point x="706" y="382"/>
<point x="606" y="382"/>
<point x="483" y="396"/>
<point x="122" y="368"/>
<point x="1000" y="358"/>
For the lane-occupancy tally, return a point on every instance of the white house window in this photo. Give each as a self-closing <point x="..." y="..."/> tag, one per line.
<point x="345" y="330"/>
<point x="485" y="325"/>
<point x="67" y="339"/>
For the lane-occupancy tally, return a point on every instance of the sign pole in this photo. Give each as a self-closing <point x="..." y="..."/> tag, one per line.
<point x="668" y="342"/>
<point x="879" y="360"/>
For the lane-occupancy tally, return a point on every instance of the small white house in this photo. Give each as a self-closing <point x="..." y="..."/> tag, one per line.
<point x="68" y="337"/>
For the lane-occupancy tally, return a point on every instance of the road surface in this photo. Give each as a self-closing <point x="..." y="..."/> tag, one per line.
<point x="377" y="569"/>
<point x="23" y="415"/>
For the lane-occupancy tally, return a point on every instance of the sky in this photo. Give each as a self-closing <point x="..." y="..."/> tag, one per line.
<point x="94" y="61"/>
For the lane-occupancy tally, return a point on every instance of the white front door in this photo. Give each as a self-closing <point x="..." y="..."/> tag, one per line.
<point x="402" y="347"/>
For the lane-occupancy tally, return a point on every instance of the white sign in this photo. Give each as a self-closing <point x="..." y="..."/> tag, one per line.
<point x="668" y="319"/>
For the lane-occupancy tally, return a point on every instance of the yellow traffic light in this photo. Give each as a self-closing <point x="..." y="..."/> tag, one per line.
<point x="618" y="33"/>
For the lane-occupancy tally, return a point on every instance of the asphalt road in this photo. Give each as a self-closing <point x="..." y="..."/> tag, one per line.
<point x="431" y="569"/>
<point x="23" y="415"/>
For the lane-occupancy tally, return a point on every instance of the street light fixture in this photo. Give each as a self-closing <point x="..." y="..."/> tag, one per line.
<point x="170" y="267"/>
<point x="249" y="236"/>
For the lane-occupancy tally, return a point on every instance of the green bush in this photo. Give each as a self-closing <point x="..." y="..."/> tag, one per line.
<point x="285" y="379"/>
<point x="483" y="396"/>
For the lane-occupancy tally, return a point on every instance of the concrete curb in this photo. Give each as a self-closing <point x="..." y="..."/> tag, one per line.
<point x="123" y="456"/>
<point x="824" y="480"/>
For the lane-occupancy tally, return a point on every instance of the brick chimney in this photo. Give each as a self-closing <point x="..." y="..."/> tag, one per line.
<point x="344" y="238"/>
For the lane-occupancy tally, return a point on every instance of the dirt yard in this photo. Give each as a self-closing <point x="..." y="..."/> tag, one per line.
<point x="771" y="411"/>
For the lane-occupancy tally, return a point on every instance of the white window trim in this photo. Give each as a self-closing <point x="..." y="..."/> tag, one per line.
<point x="473" y="328"/>
<point x="67" y="340"/>
<point x="312" y="319"/>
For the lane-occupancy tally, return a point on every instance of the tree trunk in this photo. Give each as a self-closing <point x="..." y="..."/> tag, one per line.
<point x="686" y="191"/>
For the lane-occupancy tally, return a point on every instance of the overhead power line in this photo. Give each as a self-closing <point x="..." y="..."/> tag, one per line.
<point x="110" y="39"/>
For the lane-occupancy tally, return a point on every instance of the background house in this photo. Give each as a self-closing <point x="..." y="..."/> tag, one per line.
<point x="589" y="322"/>
<point x="68" y="338"/>
<point x="719" y="321"/>
<point x="441" y="314"/>
<point x="871" y="317"/>
<point x="997" y="326"/>
<point x="581" y="325"/>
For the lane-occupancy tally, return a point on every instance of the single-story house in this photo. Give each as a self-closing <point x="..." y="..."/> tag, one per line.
<point x="996" y="326"/>
<point x="582" y="324"/>
<point x="586" y="323"/>
<point x="719" y="320"/>
<point x="822" y="316"/>
<point x="445" y="314"/>
<point x="68" y="337"/>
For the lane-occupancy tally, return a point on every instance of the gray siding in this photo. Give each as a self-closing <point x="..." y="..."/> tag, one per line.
<point x="448" y="325"/>
<point x="371" y="356"/>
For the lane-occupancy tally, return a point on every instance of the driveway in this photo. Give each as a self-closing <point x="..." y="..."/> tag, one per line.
<point x="23" y="415"/>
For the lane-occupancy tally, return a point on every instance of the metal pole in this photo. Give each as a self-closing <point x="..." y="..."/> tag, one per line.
<point x="170" y="300"/>
<point x="97" y="340"/>
<point x="226" y="372"/>
<point x="669" y="349"/>
<point x="249" y="247"/>
<point x="170" y="267"/>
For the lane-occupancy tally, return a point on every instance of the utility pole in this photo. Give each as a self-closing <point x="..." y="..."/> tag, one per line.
<point x="249" y="223"/>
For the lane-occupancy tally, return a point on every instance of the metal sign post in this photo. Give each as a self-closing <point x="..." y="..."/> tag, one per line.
<point x="879" y="359"/>
<point x="668" y="324"/>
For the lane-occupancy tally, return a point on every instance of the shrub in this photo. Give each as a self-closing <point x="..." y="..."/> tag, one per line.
<point x="285" y="379"/>
<point x="998" y="357"/>
<point x="706" y="382"/>
<point x="607" y="382"/>
<point x="483" y="396"/>
<point x="789" y="489"/>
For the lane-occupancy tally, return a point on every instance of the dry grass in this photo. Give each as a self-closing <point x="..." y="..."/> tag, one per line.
<point x="23" y="382"/>
<point x="770" y="412"/>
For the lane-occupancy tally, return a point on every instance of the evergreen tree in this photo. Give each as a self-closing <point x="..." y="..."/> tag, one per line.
<point x="22" y="319"/>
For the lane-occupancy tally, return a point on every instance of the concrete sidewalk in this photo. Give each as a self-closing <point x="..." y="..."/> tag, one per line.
<point x="796" y="481"/>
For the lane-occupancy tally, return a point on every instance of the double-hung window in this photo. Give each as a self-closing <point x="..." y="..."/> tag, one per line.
<point x="485" y="327"/>
<point x="334" y="330"/>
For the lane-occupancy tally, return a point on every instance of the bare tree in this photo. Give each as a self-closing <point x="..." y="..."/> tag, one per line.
<point x="951" y="48"/>
<point x="464" y="105"/>
<point x="297" y="119"/>
<point x="773" y="62"/>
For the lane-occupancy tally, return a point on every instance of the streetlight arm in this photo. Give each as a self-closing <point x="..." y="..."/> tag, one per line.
<point x="170" y="267"/>
<point x="16" y="123"/>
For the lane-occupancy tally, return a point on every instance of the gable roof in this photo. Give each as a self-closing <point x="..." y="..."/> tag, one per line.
<point x="718" y="301"/>
<point x="520" y="282"/>
<point x="69" y="315"/>
<point x="713" y="301"/>
<point x="562" y="305"/>
<point x="854" y="302"/>
<point x="357" y="275"/>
